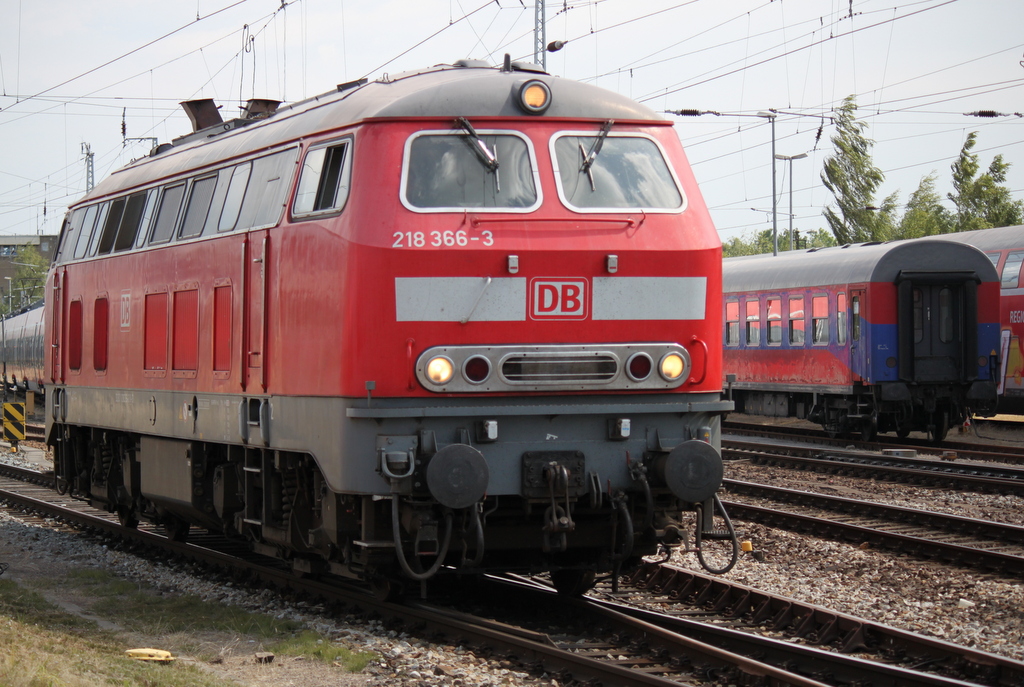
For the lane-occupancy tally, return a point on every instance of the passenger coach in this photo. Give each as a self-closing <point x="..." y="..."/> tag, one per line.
<point x="892" y="337"/>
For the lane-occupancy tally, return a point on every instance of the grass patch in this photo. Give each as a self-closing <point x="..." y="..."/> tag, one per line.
<point x="140" y="609"/>
<point x="44" y="646"/>
<point x="313" y="645"/>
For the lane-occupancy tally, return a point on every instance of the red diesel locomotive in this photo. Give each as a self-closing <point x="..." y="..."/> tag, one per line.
<point x="876" y="337"/>
<point x="461" y="319"/>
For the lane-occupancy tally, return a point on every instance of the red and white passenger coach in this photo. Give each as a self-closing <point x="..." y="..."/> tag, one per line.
<point x="466" y="318"/>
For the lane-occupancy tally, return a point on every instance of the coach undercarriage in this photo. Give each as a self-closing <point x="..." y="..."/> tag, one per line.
<point x="565" y="521"/>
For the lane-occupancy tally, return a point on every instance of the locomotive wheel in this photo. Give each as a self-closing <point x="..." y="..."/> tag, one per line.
<point x="387" y="588"/>
<point x="573" y="582"/>
<point x="903" y="432"/>
<point x="127" y="518"/>
<point x="177" y="530"/>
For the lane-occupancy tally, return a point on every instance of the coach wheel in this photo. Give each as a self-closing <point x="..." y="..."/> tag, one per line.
<point x="573" y="582"/>
<point x="387" y="588"/>
<point x="869" y="428"/>
<point x="939" y="426"/>
<point x="126" y="516"/>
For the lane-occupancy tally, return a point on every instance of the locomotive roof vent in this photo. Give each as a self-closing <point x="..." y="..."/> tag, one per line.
<point x="202" y="113"/>
<point x="477" y="64"/>
<point x="258" y="108"/>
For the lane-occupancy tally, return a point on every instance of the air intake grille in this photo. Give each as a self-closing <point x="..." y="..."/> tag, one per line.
<point x="559" y="369"/>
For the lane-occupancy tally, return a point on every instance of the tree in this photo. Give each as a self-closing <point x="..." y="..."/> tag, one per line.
<point x="762" y="243"/>
<point x="852" y="178"/>
<point x="982" y="202"/>
<point x="28" y="284"/>
<point x="924" y="214"/>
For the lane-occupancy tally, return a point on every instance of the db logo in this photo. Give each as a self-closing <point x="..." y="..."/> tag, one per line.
<point x="559" y="298"/>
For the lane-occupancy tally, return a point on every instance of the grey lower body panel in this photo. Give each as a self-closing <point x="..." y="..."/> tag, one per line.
<point x="345" y="435"/>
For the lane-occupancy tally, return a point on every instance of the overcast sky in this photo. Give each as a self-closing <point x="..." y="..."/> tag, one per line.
<point x="71" y="72"/>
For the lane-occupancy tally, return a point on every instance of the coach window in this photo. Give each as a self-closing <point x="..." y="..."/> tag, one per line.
<point x="918" y="317"/>
<point x="774" y="321"/>
<point x="197" y="207"/>
<point x="819" y="317"/>
<point x="841" y="318"/>
<point x="753" y="323"/>
<point x="324" y="180"/>
<point x="1011" y="269"/>
<point x="796" y="321"/>
<point x="233" y="201"/>
<point x="945" y="315"/>
<point x="732" y="323"/>
<point x="855" y="318"/>
<point x="488" y="171"/>
<point x="167" y="214"/>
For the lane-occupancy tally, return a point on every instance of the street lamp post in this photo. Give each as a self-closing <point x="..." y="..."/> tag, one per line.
<point x="790" y="159"/>
<point x="770" y="116"/>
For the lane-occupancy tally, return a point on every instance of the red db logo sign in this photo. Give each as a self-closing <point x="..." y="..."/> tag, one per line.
<point x="559" y="298"/>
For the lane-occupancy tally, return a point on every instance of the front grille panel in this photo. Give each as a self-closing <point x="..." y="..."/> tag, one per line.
<point x="559" y="369"/>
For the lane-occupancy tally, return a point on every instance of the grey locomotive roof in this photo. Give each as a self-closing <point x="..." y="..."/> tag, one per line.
<point x="447" y="91"/>
<point x="852" y="264"/>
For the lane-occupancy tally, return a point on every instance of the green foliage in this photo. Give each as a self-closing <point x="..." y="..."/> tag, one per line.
<point x="762" y="242"/>
<point x="313" y="645"/>
<point x="852" y="178"/>
<point x="981" y="201"/>
<point x="924" y="214"/>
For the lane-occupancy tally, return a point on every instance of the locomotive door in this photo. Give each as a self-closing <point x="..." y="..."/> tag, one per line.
<point x="254" y="311"/>
<point x="859" y="347"/>
<point x="57" y="326"/>
<point x="937" y="331"/>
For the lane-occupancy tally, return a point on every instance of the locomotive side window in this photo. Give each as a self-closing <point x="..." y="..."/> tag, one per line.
<point x="1011" y="269"/>
<point x="732" y="323"/>
<point x="233" y="201"/>
<point x="197" y="207"/>
<point x="447" y="171"/>
<point x="87" y="224"/>
<point x="819" y="319"/>
<point x="101" y="219"/>
<point x="167" y="215"/>
<point x="796" y="321"/>
<point x="774" y="321"/>
<point x="264" y="196"/>
<point x="324" y="181"/>
<point x="606" y="172"/>
<point x="753" y="323"/>
<point x="110" y="226"/>
<point x="841" y="318"/>
<point x="71" y="231"/>
<point x="130" y="221"/>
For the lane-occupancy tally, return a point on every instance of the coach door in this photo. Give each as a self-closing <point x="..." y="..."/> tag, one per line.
<point x="254" y="309"/>
<point x="933" y="337"/>
<point x="859" y="355"/>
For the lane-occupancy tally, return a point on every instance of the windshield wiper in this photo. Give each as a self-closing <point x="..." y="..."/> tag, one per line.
<point x="480" y="149"/>
<point x="588" y="158"/>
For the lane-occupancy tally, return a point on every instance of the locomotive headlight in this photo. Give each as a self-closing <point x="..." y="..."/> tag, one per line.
<point x="534" y="97"/>
<point x="439" y="370"/>
<point x="672" y="366"/>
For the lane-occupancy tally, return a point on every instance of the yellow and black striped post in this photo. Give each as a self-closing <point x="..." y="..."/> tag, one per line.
<point x="14" y="423"/>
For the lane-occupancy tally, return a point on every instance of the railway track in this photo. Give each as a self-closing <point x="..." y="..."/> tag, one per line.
<point x="959" y="450"/>
<point x="701" y="635"/>
<point x="968" y="542"/>
<point x="929" y="471"/>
